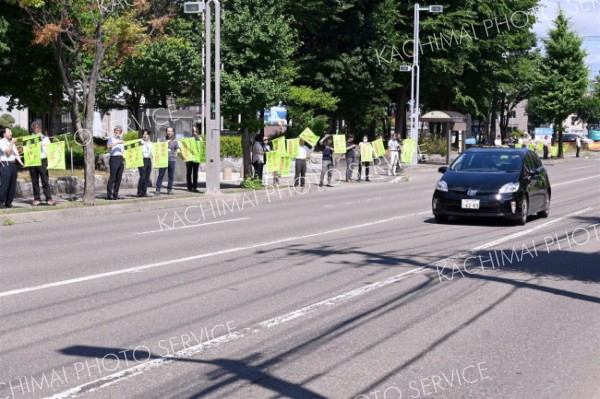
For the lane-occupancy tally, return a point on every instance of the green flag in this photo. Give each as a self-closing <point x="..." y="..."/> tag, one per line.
<point x="56" y="156"/>
<point x="202" y="151"/>
<point x="293" y="148"/>
<point x="308" y="136"/>
<point x="539" y="147"/>
<point x="285" y="164"/>
<point x="190" y="149"/>
<point x="554" y="151"/>
<point x="160" y="154"/>
<point x="339" y="143"/>
<point x="366" y="152"/>
<point x="134" y="158"/>
<point x="409" y="147"/>
<point x="32" y="152"/>
<point x="378" y="148"/>
<point x="272" y="161"/>
<point x="279" y="146"/>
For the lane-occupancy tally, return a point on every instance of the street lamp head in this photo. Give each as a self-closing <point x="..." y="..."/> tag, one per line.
<point x="405" y="68"/>
<point x="193" y="7"/>
<point x="436" y="8"/>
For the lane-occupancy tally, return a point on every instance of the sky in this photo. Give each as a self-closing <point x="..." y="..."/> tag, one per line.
<point x="585" y="20"/>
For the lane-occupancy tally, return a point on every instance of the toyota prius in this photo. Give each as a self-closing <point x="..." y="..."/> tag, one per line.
<point x="493" y="182"/>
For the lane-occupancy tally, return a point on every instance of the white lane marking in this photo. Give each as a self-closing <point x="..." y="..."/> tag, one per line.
<point x="575" y="181"/>
<point x="122" y="375"/>
<point x="584" y="167"/>
<point x="195" y="257"/>
<point x="193" y="225"/>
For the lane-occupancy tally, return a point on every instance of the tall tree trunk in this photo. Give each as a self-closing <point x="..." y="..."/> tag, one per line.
<point x="247" y="141"/>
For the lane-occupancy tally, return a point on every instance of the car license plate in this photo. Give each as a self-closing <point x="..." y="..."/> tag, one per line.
<point x="470" y="204"/>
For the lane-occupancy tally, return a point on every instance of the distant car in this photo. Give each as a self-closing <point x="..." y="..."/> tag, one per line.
<point x="493" y="182"/>
<point x="570" y="137"/>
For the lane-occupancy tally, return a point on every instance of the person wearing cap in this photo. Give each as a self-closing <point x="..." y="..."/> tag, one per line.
<point x="327" y="161"/>
<point x="191" y="168"/>
<point x="173" y="152"/>
<point x="117" y="166"/>
<point x="145" y="170"/>
<point x="40" y="172"/>
<point x="8" y="168"/>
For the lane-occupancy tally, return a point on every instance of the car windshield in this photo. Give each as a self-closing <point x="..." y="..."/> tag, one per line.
<point x="487" y="162"/>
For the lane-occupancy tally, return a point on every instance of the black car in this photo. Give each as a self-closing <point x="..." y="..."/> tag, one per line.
<point x="493" y="182"/>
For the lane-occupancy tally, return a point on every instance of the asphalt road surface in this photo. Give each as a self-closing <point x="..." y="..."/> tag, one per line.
<point x="347" y="292"/>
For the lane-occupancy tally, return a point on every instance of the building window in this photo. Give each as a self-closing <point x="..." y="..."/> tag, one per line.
<point x="512" y="114"/>
<point x="573" y="120"/>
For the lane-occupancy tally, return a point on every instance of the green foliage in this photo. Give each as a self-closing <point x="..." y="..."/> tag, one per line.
<point x="130" y="136"/>
<point x="517" y="133"/>
<point x="6" y="120"/>
<point x="304" y="102"/>
<point x="252" y="183"/>
<point x="231" y="146"/>
<point x="18" y="131"/>
<point x="434" y="145"/>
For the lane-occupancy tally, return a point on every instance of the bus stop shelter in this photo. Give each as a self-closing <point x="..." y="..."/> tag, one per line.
<point x="453" y="122"/>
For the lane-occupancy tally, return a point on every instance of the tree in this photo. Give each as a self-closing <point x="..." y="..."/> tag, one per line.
<point x="563" y="80"/>
<point x="85" y="37"/>
<point x="303" y="105"/>
<point x="588" y="110"/>
<point x="258" y="44"/>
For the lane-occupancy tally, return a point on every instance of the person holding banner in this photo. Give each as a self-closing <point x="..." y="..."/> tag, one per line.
<point x="115" y="163"/>
<point x="365" y="164"/>
<point x="274" y="153"/>
<point x="327" y="164"/>
<point x="350" y="157"/>
<point x="145" y="170"/>
<point x="394" y="149"/>
<point x="191" y="168"/>
<point x="300" y="164"/>
<point x="8" y="168"/>
<point x="40" y="172"/>
<point x="173" y="151"/>
<point x="258" y="156"/>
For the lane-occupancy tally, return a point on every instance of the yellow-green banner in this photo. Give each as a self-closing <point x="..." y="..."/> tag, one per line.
<point x="272" y="162"/>
<point x="339" y="143"/>
<point x="539" y="147"/>
<point x="190" y="149"/>
<point x="531" y="147"/>
<point x="134" y="158"/>
<point x="366" y="152"/>
<point x="409" y="147"/>
<point x="285" y="164"/>
<point x="202" y="151"/>
<point x="554" y="151"/>
<point x="55" y="153"/>
<point x="308" y="136"/>
<point x="279" y="146"/>
<point x="378" y="148"/>
<point x="293" y="146"/>
<point x="517" y="145"/>
<point x="160" y="154"/>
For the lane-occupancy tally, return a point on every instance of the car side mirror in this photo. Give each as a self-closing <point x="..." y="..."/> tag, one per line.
<point x="443" y="169"/>
<point x="534" y="173"/>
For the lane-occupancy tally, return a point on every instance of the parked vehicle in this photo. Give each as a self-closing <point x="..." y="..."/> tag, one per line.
<point x="493" y="182"/>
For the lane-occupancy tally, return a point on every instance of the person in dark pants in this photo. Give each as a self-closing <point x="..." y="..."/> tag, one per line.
<point x="327" y="164"/>
<point x="578" y="146"/>
<point x="173" y="151"/>
<point x="363" y="165"/>
<point x="191" y="168"/>
<point x="116" y="164"/>
<point x="37" y="173"/>
<point x="146" y="170"/>
<point x="350" y="157"/>
<point x="546" y="147"/>
<point x="8" y="168"/>
<point x="258" y="157"/>
<point x="300" y="165"/>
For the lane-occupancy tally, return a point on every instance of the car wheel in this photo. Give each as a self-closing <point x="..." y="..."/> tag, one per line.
<point x="441" y="218"/>
<point x="524" y="213"/>
<point x="546" y="212"/>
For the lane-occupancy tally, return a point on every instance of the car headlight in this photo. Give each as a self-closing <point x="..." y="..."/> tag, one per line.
<point x="509" y="188"/>
<point x="442" y="186"/>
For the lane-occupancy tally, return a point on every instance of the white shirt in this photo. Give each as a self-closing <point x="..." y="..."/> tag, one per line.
<point x="117" y="149"/>
<point x="393" y="145"/>
<point x="303" y="152"/>
<point x="43" y="143"/>
<point x="256" y="157"/>
<point x="4" y="144"/>
<point x="147" y="149"/>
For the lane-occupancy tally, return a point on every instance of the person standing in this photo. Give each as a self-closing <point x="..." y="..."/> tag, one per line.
<point x="546" y="146"/>
<point x="117" y="166"/>
<point x="327" y="164"/>
<point x="350" y="157"/>
<point x="40" y="172"/>
<point x="8" y="168"/>
<point x="145" y="170"/>
<point x="300" y="164"/>
<point x="394" y="148"/>
<point x="258" y="157"/>
<point x="267" y="149"/>
<point x="578" y="146"/>
<point x="363" y="165"/>
<point x="173" y="151"/>
<point x="191" y="168"/>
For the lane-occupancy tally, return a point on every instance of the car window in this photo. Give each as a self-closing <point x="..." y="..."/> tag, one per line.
<point x="487" y="162"/>
<point x="529" y="164"/>
<point x="536" y="161"/>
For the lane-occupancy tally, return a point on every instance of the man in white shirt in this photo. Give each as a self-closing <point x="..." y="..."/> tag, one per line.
<point x="40" y="172"/>
<point x="116" y="164"/>
<point x="578" y="146"/>
<point x="8" y="169"/>
<point x="394" y="148"/>
<point x="300" y="166"/>
<point x="145" y="170"/>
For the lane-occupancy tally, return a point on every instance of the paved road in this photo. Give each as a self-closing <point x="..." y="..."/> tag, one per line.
<point x="347" y="292"/>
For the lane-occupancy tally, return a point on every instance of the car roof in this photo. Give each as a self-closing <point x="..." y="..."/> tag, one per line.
<point x="495" y="149"/>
